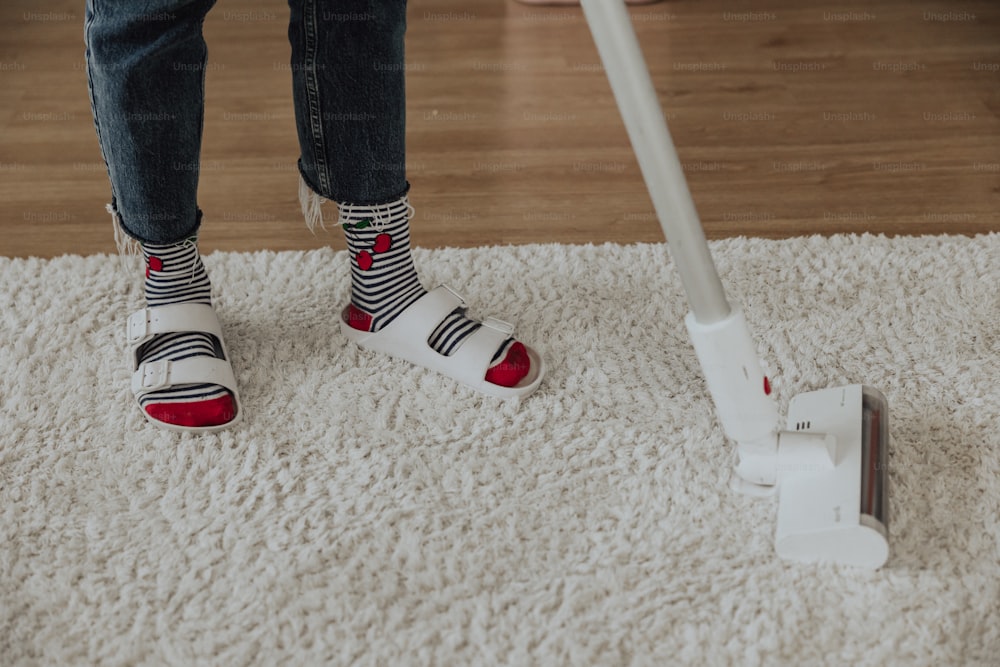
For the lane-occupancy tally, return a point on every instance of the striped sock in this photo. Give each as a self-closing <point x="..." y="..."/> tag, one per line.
<point x="384" y="283"/>
<point x="176" y="274"/>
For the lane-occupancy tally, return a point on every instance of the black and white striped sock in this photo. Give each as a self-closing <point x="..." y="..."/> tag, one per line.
<point x="384" y="279"/>
<point x="176" y="274"/>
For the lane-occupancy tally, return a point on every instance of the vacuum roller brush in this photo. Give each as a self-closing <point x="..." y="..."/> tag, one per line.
<point x="875" y="457"/>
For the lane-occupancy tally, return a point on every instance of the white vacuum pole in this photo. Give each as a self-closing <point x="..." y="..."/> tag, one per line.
<point x="718" y="330"/>
<point x="654" y="149"/>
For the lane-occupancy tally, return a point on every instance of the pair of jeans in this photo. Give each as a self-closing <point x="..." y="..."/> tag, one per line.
<point x="146" y="63"/>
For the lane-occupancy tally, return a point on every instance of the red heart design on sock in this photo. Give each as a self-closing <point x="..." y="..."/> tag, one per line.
<point x="156" y="264"/>
<point x="364" y="260"/>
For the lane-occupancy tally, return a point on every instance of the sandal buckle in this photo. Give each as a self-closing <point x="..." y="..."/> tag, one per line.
<point x="155" y="375"/>
<point x="497" y="324"/>
<point x="455" y="294"/>
<point x="138" y="326"/>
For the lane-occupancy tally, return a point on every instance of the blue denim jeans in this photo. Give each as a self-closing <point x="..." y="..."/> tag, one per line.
<point x="146" y="62"/>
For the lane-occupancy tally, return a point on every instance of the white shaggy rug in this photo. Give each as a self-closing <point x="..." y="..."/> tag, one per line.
<point x="370" y="513"/>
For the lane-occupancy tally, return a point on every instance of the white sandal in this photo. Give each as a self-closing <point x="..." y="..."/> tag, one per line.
<point x="153" y="376"/>
<point x="406" y="337"/>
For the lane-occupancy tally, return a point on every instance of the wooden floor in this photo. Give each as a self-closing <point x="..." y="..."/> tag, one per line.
<point x="793" y="118"/>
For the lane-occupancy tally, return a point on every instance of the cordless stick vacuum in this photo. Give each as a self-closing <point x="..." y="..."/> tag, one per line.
<point x="828" y="465"/>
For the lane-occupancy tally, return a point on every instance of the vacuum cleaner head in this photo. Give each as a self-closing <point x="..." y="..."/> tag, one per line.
<point x="828" y="465"/>
<point x="838" y="512"/>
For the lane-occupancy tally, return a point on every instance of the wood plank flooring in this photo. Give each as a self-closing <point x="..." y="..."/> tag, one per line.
<point x="793" y="118"/>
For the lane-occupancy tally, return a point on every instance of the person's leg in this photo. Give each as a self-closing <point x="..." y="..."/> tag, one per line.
<point x="350" y="102"/>
<point x="145" y="68"/>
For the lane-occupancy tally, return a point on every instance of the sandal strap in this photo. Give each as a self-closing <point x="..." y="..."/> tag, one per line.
<point x="179" y="317"/>
<point x="155" y="375"/>
<point x="421" y="319"/>
<point x="472" y="359"/>
<point x="406" y="337"/>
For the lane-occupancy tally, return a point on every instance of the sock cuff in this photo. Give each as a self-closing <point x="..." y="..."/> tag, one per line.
<point x="191" y="241"/>
<point x="353" y="217"/>
<point x="175" y="274"/>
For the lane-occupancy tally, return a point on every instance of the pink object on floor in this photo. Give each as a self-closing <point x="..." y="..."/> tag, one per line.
<point x="577" y="2"/>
